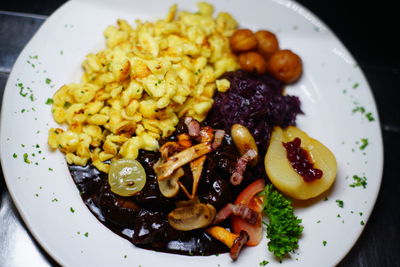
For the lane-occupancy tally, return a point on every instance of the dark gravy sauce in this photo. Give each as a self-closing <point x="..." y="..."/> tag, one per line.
<point x="142" y="218"/>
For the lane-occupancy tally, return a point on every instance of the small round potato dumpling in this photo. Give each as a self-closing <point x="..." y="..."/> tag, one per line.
<point x="267" y="43"/>
<point x="243" y="40"/>
<point x="252" y="62"/>
<point x="285" y="178"/>
<point x="285" y="66"/>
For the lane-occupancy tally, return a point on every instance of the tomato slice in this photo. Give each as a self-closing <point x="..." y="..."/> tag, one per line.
<point x="249" y="197"/>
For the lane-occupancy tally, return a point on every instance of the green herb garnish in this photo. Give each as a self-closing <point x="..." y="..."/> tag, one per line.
<point x="364" y="144"/>
<point x="369" y="116"/>
<point x="26" y="160"/>
<point x="283" y="227"/>
<point x="340" y="203"/>
<point x="21" y="91"/>
<point x="359" y="181"/>
<point x="359" y="109"/>
<point x="49" y="101"/>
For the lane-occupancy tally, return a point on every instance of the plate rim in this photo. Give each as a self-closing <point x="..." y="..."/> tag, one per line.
<point x="55" y="255"/>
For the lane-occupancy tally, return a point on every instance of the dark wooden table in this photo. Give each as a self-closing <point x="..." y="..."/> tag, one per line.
<point x="368" y="29"/>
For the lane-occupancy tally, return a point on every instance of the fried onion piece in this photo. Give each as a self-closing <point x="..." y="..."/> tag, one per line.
<point x="184" y="140"/>
<point x="206" y="134"/>
<point x="169" y="148"/>
<point x="185" y="143"/>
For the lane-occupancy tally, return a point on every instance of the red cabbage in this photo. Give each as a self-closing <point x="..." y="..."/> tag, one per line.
<point x="255" y="102"/>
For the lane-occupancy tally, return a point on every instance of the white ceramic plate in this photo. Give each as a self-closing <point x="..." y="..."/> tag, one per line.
<point x="339" y="107"/>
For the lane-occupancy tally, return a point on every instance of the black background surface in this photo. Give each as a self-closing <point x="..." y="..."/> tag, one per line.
<point x="369" y="29"/>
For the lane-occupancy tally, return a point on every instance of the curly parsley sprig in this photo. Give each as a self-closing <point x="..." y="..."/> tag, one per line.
<point x="283" y="227"/>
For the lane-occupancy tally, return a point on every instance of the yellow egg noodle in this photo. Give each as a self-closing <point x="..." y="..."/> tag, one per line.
<point x="133" y="92"/>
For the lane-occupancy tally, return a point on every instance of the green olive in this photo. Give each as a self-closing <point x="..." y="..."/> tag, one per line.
<point x="126" y="177"/>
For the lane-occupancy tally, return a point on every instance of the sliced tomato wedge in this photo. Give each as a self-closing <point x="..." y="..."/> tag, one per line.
<point x="249" y="197"/>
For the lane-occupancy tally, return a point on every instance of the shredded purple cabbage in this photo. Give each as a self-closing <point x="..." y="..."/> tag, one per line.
<point x="255" y="102"/>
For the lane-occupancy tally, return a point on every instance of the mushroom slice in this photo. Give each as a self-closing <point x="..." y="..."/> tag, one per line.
<point x="223" y="235"/>
<point x="197" y="167"/>
<point x="169" y="187"/>
<point x="213" y="211"/>
<point x="166" y="168"/>
<point x="188" y="218"/>
<point x="185" y="191"/>
<point x="185" y="203"/>
<point x="238" y="244"/>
